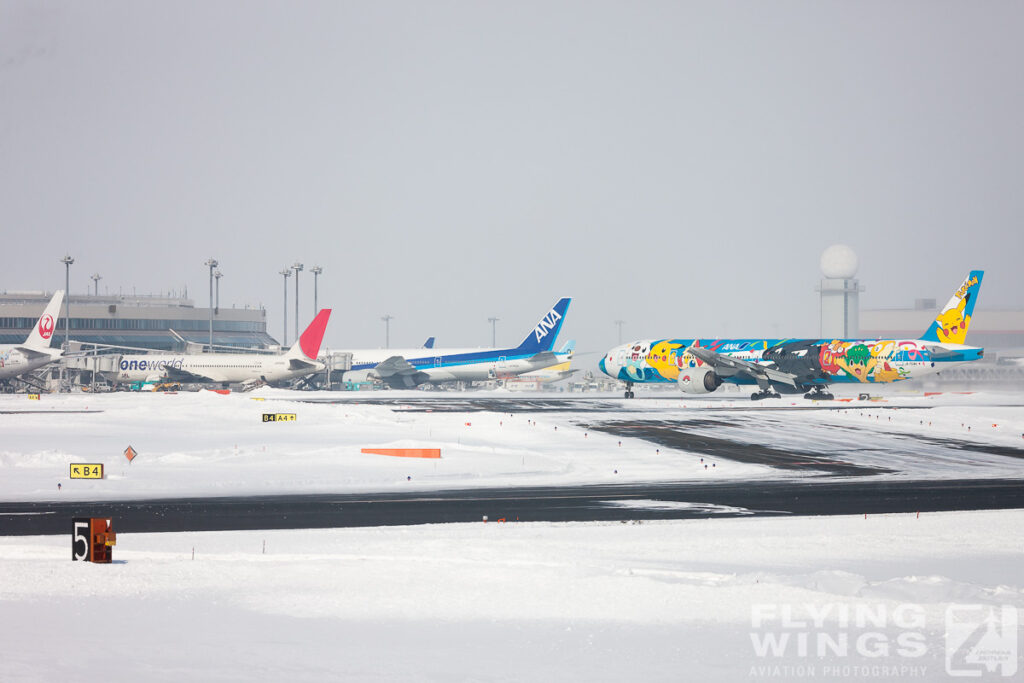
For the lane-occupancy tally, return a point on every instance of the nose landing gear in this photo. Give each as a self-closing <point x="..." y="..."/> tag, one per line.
<point x="629" y="390"/>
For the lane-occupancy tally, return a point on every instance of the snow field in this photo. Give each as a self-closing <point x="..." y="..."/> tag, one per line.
<point x="595" y="601"/>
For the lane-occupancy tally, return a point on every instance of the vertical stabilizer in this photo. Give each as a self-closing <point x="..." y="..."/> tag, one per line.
<point x="310" y="339"/>
<point x="951" y="324"/>
<point x="542" y="337"/>
<point x="45" y="327"/>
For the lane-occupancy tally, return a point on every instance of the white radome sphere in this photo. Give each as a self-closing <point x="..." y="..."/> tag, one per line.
<point x="839" y="262"/>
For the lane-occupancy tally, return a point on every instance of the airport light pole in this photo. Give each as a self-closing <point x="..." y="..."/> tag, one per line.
<point x="284" y="338"/>
<point x="212" y="263"/>
<point x="619" y="323"/>
<point x="494" y="332"/>
<point x="387" y="329"/>
<point x="96" y="277"/>
<point x="297" y="267"/>
<point x="316" y="270"/>
<point x="67" y="261"/>
<point x="218" y="275"/>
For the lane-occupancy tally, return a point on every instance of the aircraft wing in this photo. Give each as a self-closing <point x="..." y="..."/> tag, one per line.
<point x="399" y="373"/>
<point x="179" y="375"/>
<point x="32" y="354"/>
<point x="726" y="366"/>
<point x="395" y="365"/>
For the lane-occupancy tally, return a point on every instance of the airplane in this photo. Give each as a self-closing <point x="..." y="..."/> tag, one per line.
<point x="408" y="368"/>
<point x="791" y="366"/>
<point x="35" y="352"/>
<point x="228" y="368"/>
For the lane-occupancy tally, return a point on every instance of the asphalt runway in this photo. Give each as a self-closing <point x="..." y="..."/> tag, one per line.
<point x="683" y="500"/>
<point x="453" y="403"/>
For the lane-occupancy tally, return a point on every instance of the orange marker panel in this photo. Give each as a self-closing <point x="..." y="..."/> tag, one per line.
<point x="405" y="452"/>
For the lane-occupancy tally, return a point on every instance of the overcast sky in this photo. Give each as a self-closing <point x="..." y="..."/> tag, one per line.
<point x="679" y="166"/>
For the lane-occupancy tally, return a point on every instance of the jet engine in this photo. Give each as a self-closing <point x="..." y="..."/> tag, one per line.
<point x="698" y="380"/>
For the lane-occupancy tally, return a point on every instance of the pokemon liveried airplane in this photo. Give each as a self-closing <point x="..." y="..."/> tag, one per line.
<point x="228" y="368"/>
<point x="407" y="368"/>
<point x="35" y="352"/>
<point x="791" y="366"/>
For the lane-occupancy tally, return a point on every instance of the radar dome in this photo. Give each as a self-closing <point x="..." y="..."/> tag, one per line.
<point x="839" y="262"/>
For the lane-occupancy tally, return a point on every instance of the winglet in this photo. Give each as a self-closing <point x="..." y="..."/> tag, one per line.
<point x="951" y="324"/>
<point x="42" y="333"/>
<point x="309" y="341"/>
<point x="542" y="337"/>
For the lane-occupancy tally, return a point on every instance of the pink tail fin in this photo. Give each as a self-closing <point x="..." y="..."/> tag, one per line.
<point x="309" y="342"/>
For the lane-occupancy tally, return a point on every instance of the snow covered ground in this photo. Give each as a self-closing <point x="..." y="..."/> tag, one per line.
<point x="701" y="600"/>
<point x="198" y="444"/>
<point x="712" y="600"/>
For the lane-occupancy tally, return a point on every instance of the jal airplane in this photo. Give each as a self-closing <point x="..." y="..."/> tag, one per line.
<point x="18" y="359"/>
<point x="408" y="368"/>
<point x="699" y="366"/>
<point x="230" y="368"/>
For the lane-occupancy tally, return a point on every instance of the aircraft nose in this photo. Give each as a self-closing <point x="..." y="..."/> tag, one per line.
<point x="601" y="365"/>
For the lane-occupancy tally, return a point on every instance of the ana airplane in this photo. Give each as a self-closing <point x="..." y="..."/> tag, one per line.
<point x="407" y="368"/>
<point x="17" y="359"/>
<point x="230" y="368"/>
<point x="700" y="366"/>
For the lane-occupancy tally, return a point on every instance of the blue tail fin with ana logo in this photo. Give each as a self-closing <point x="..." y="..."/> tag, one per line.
<point x="542" y="337"/>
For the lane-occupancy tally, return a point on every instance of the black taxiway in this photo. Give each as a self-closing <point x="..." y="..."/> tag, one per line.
<point x="860" y="495"/>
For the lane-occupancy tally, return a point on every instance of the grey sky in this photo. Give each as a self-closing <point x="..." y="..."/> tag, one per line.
<point x="677" y="165"/>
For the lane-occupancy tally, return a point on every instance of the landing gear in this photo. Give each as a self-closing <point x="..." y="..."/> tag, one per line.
<point x="629" y="390"/>
<point x="767" y="393"/>
<point x="818" y="394"/>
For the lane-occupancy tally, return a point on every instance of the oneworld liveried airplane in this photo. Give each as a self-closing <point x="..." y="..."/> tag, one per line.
<point x="35" y="352"/>
<point x="230" y="368"/>
<point x="408" y="368"/>
<point x="699" y="366"/>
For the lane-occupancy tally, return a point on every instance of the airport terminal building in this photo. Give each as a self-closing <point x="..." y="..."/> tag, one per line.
<point x="146" y="322"/>
<point x="999" y="331"/>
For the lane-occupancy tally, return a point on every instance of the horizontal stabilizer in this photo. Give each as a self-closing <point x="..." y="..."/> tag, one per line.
<point x="32" y="354"/>
<point x="298" y="364"/>
<point x="546" y="357"/>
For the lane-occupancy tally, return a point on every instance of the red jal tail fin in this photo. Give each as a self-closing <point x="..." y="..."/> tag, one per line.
<point x="309" y="341"/>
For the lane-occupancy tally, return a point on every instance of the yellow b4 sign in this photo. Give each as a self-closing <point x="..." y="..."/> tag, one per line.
<point x="279" y="417"/>
<point x="87" y="470"/>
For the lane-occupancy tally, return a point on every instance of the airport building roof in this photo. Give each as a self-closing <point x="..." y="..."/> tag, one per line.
<point x="992" y="329"/>
<point x="135" y="320"/>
